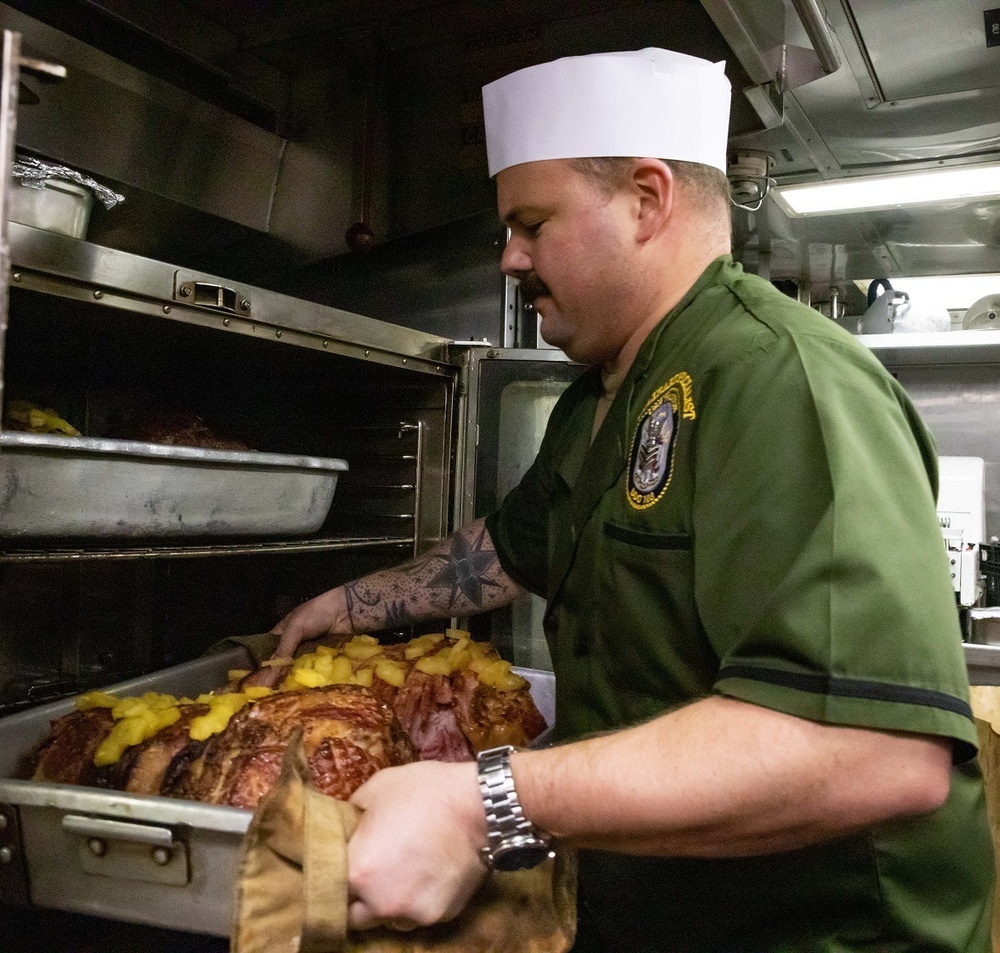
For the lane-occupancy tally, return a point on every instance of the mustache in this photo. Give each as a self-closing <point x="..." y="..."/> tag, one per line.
<point x="532" y="287"/>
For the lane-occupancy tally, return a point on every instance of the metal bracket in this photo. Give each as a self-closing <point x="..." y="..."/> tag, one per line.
<point x="13" y="874"/>
<point x="42" y="70"/>
<point x="792" y="67"/>
<point x="768" y="101"/>
<point x="190" y="289"/>
<point x="128" y="851"/>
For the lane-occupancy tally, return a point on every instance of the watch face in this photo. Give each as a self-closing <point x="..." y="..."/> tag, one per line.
<point x="519" y="857"/>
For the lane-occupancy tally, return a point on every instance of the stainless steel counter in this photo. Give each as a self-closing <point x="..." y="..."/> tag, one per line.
<point x="983" y="662"/>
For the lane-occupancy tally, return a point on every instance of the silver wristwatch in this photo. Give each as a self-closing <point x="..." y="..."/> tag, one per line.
<point x="514" y="843"/>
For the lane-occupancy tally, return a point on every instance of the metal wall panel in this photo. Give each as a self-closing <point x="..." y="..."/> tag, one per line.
<point x="112" y="120"/>
<point x="961" y="406"/>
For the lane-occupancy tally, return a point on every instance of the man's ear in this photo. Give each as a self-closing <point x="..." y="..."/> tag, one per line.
<point x="655" y="187"/>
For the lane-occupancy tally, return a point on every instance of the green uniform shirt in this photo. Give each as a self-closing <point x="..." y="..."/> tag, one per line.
<point x="756" y="519"/>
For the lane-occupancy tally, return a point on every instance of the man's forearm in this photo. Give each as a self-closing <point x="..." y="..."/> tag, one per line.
<point x="461" y="576"/>
<point x="726" y="778"/>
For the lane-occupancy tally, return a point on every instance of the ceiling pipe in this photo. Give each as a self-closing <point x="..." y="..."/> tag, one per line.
<point x="813" y="18"/>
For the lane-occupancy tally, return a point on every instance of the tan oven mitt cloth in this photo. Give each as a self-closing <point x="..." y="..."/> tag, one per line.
<point x="291" y="892"/>
<point x="288" y="899"/>
<point x="261" y="646"/>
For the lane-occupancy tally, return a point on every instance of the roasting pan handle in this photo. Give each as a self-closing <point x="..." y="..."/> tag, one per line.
<point x="117" y="830"/>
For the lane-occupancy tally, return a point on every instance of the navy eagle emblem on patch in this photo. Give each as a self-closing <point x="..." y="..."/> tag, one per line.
<point x="652" y="456"/>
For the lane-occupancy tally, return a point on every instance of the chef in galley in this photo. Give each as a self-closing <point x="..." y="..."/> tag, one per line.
<point x="765" y="739"/>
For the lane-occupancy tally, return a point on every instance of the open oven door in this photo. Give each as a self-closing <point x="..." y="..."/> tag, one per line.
<point x="506" y="400"/>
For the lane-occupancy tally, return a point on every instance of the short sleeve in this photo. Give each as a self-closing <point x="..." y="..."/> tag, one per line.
<point x="519" y="528"/>
<point x="821" y="575"/>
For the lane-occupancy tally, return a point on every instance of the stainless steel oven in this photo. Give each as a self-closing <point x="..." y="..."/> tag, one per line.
<point x="97" y="337"/>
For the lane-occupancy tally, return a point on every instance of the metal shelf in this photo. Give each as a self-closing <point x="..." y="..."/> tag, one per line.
<point x="180" y="552"/>
<point x="983" y="662"/>
<point x="942" y="347"/>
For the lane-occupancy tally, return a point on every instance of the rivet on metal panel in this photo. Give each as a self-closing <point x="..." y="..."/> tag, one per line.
<point x="404" y="360"/>
<point x="98" y="294"/>
<point x="225" y="322"/>
<point x="185" y="291"/>
<point x="97" y="846"/>
<point x="367" y="353"/>
<point x="17" y="276"/>
<point x="277" y="334"/>
<point x="6" y="855"/>
<point x="244" y="305"/>
<point x="161" y="856"/>
<point x="326" y="344"/>
<point x="166" y="309"/>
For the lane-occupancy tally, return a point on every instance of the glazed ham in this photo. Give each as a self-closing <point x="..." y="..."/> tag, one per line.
<point x="359" y="707"/>
<point x="425" y="706"/>
<point x="489" y="718"/>
<point x="347" y="735"/>
<point x="66" y="756"/>
<point x="142" y="768"/>
<point x="176" y="428"/>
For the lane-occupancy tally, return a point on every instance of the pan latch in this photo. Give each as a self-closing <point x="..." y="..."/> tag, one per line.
<point x="129" y="851"/>
<point x="189" y="289"/>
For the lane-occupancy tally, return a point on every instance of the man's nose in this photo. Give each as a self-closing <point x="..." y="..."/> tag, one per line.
<point x="515" y="261"/>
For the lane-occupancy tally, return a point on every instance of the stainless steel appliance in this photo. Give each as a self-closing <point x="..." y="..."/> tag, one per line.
<point x="95" y="333"/>
<point x="961" y="511"/>
<point x="103" y="335"/>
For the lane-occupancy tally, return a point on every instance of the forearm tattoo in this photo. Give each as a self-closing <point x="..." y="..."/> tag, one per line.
<point x="462" y="576"/>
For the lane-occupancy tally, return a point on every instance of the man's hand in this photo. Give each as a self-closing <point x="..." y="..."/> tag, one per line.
<point x="414" y="859"/>
<point x="325" y="615"/>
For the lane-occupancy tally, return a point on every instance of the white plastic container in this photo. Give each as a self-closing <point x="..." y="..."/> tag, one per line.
<point x="59" y="206"/>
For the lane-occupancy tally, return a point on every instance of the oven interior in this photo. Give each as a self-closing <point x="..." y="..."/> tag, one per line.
<point x="80" y="613"/>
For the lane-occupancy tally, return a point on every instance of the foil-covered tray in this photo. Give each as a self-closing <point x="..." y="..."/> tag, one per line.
<point x="131" y="857"/>
<point x="54" y="486"/>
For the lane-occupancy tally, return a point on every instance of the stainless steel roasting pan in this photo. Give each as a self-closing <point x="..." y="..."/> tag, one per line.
<point x="151" y="860"/>
<point x="94" y="487"/>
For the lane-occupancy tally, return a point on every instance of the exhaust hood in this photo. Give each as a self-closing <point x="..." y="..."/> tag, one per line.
<point x="373" y="114"/>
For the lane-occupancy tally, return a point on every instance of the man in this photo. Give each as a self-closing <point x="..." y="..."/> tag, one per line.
<point x="761" y="694"/>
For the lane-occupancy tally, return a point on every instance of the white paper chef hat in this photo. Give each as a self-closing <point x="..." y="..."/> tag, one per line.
<point x="650" y="102"/>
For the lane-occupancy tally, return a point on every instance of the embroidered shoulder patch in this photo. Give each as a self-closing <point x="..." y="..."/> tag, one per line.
<point x="652" y="456"/>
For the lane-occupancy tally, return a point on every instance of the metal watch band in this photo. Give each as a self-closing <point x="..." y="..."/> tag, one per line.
<point x="506" y="825"/>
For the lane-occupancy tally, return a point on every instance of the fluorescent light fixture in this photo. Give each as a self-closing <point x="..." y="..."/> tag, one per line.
<point x="890" y="191"/>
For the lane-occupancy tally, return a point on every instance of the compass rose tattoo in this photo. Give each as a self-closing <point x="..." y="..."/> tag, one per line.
<point x="464" y="571"/>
